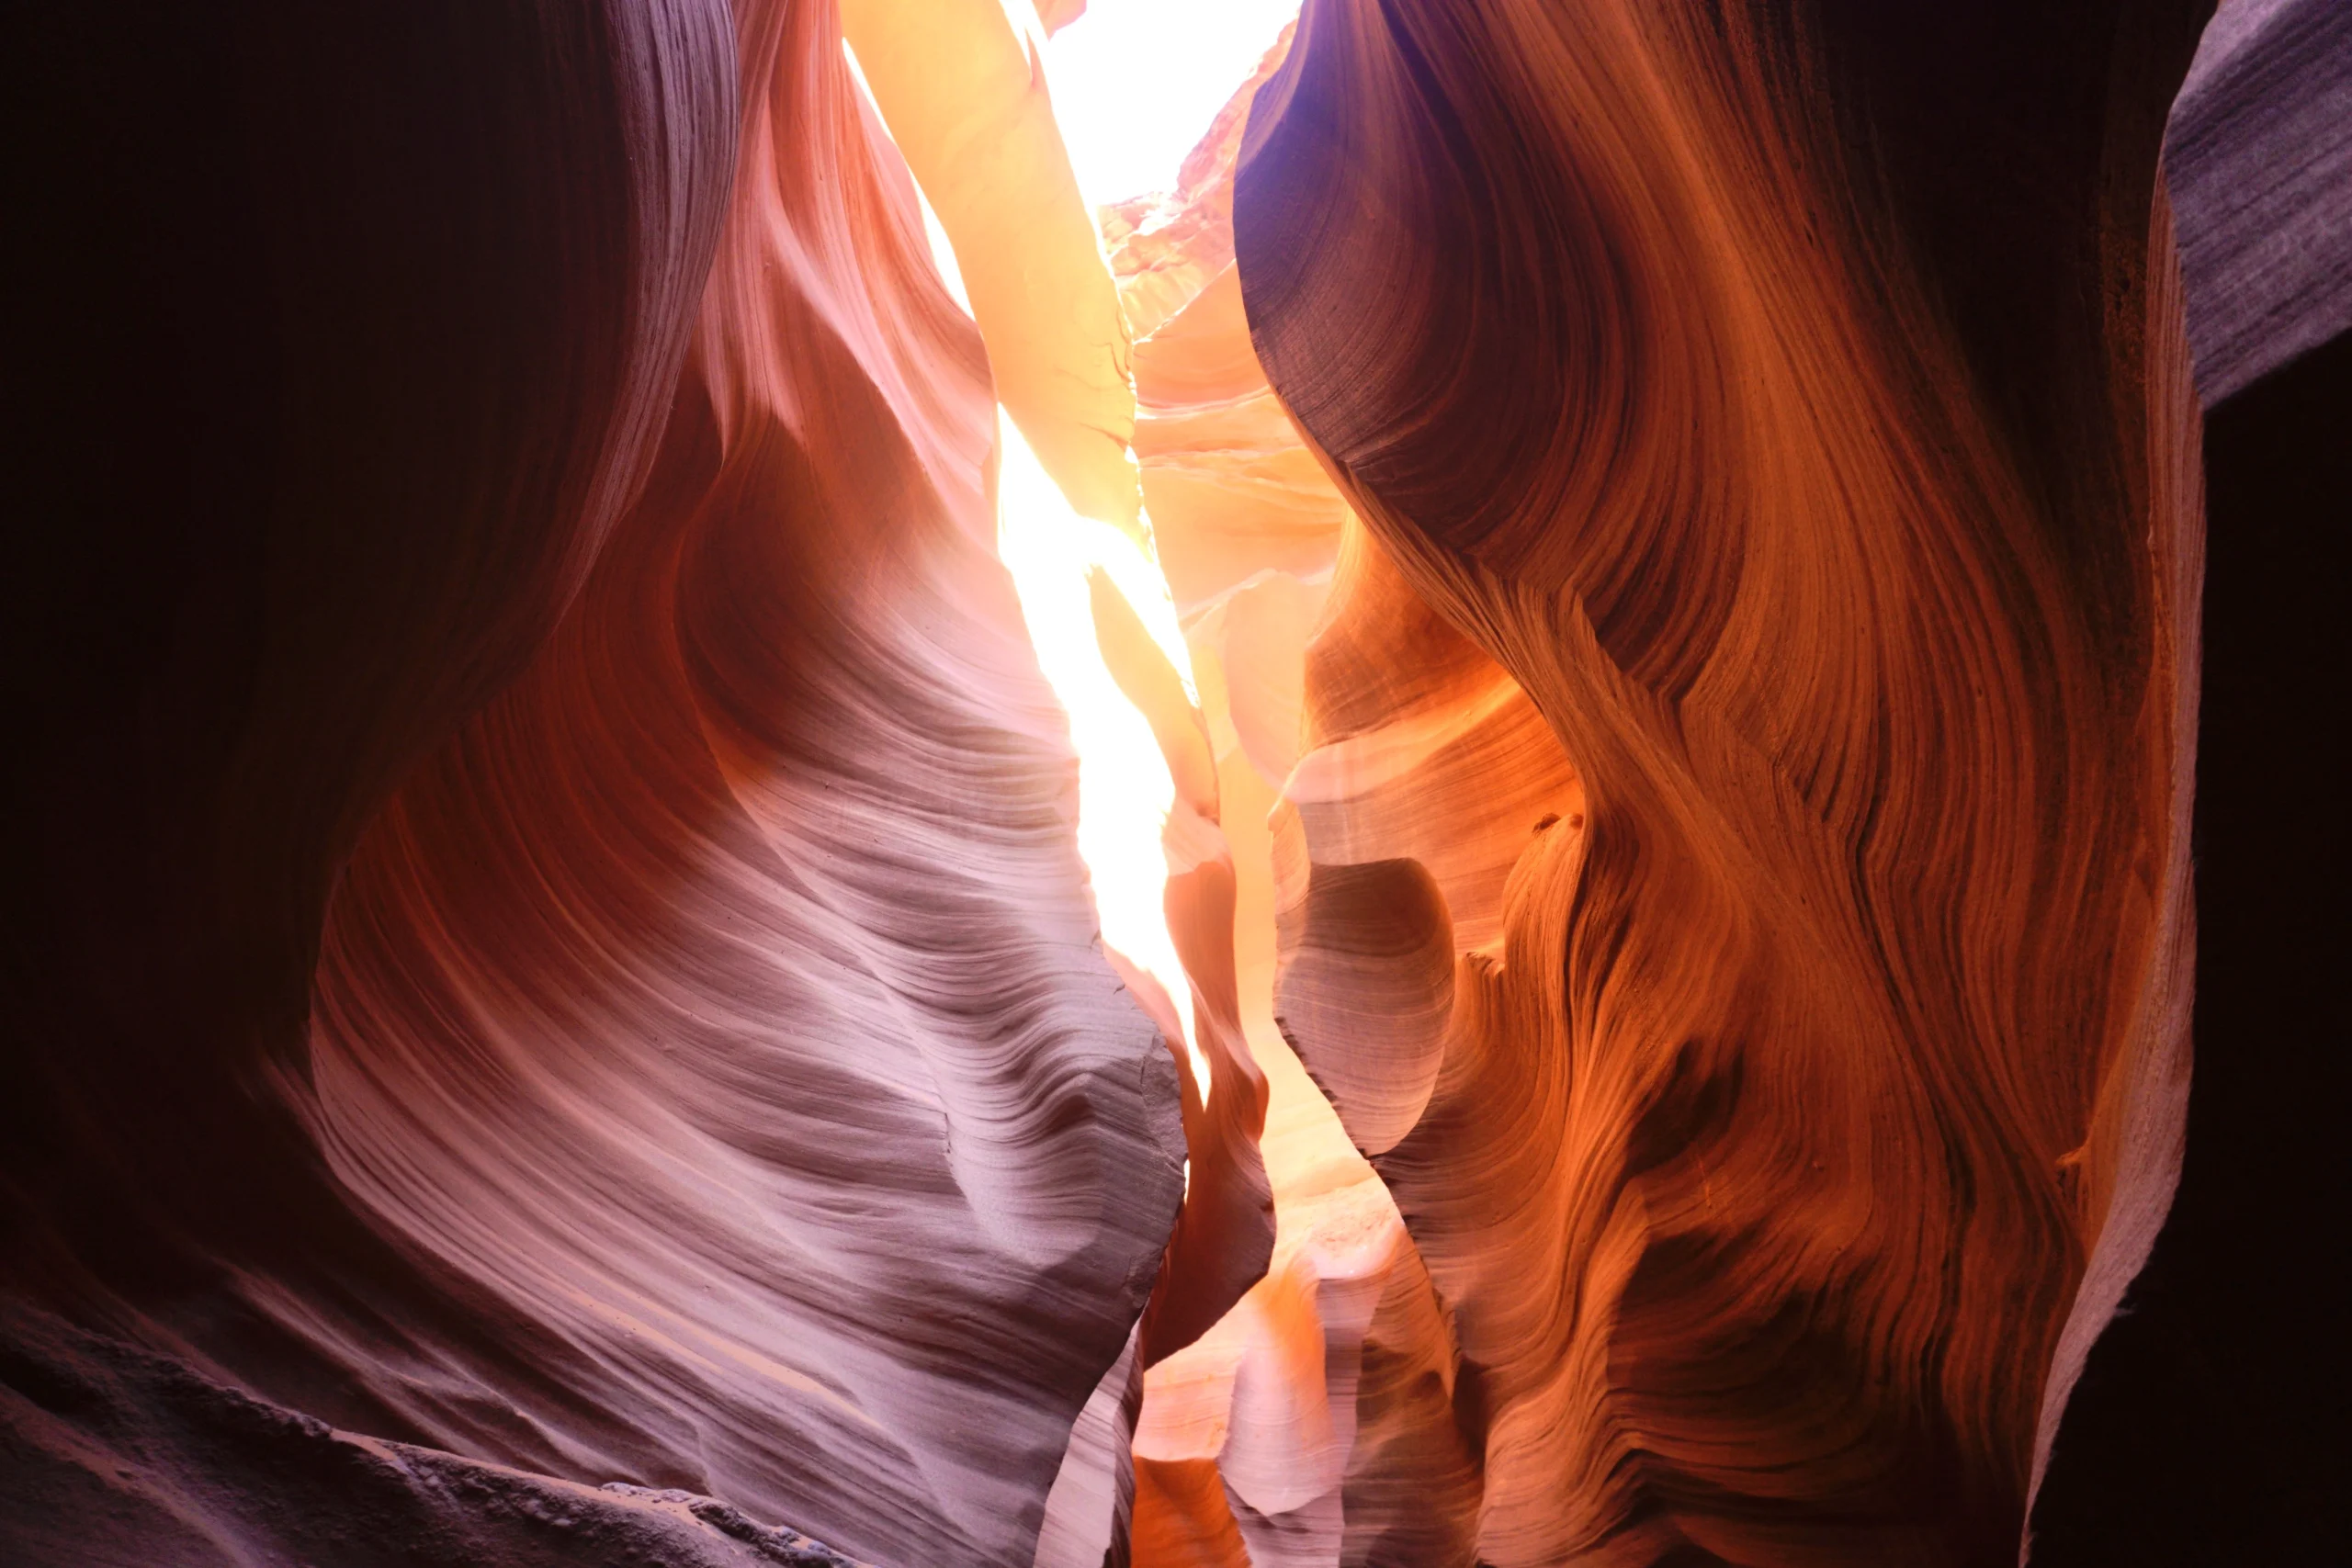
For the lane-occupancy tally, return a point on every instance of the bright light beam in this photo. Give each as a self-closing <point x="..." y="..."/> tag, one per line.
<point x="1135" y="84"/>
<point x="1125" y="790"/>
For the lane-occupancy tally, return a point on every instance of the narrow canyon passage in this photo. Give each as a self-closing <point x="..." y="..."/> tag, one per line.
<point x="1185" y="736"/>
<point x="1094" y="784"/>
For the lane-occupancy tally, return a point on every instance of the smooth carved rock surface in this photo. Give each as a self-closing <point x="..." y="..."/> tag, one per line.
<point x="711" y="1079"/>
<point x="1799" y="1121"/>
<point x="742" y="947"/>
<point x="1298" y="1429"/>
<point x="2259" y="163"/>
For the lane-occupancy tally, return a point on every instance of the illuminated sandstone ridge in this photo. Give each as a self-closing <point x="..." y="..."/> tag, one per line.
<point x="1781" y="1107"/>
<point x="712" y="1079"/>
<point x="1296" y="1430"/>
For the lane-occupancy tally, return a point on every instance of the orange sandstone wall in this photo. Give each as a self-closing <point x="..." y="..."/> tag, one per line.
<point x="1781" y="1094"/>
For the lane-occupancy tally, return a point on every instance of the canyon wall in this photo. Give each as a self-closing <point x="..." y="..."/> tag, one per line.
<point x="2228" y="1330"/>
<point x="1803" y="1079"/>
<point x="564" y="944"/>
<point x="553" y="1009"/>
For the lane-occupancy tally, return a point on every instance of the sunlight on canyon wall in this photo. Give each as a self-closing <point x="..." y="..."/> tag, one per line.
<point x="1124" y="789"/>
<point x="1403" y="784"/>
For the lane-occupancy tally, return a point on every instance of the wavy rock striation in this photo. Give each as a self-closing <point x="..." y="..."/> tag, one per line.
<point x="1782" y="1099"/>
<point x="116" y="1455"/>
<point x="712" y="1079"/>
<point x="743" y="947"/>
<point x="2259" y="164"/>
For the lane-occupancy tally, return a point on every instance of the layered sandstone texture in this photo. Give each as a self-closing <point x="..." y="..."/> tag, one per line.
<point x="555" y="1011"/>
<point x="1782" y="1074"/>
<point x="562" y="941"/>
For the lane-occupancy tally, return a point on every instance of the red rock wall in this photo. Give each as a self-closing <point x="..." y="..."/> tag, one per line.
<point x="732" y="975"/>
<point x="1822" y="1083"/>
<point x="712" y="1079"/>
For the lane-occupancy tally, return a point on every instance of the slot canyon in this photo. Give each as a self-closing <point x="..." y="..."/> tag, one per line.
<point x="1107" y="784"/>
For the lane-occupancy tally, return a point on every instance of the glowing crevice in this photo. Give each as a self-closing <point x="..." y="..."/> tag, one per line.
<point x="1126" y="790"/>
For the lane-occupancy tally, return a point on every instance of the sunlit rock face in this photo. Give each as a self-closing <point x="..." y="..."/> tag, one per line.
<point x="1246" y="1431"/>
<point x="743" y="947"/>
<point x="710" y="1080"/>
<point x="1781" y="1091"/>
